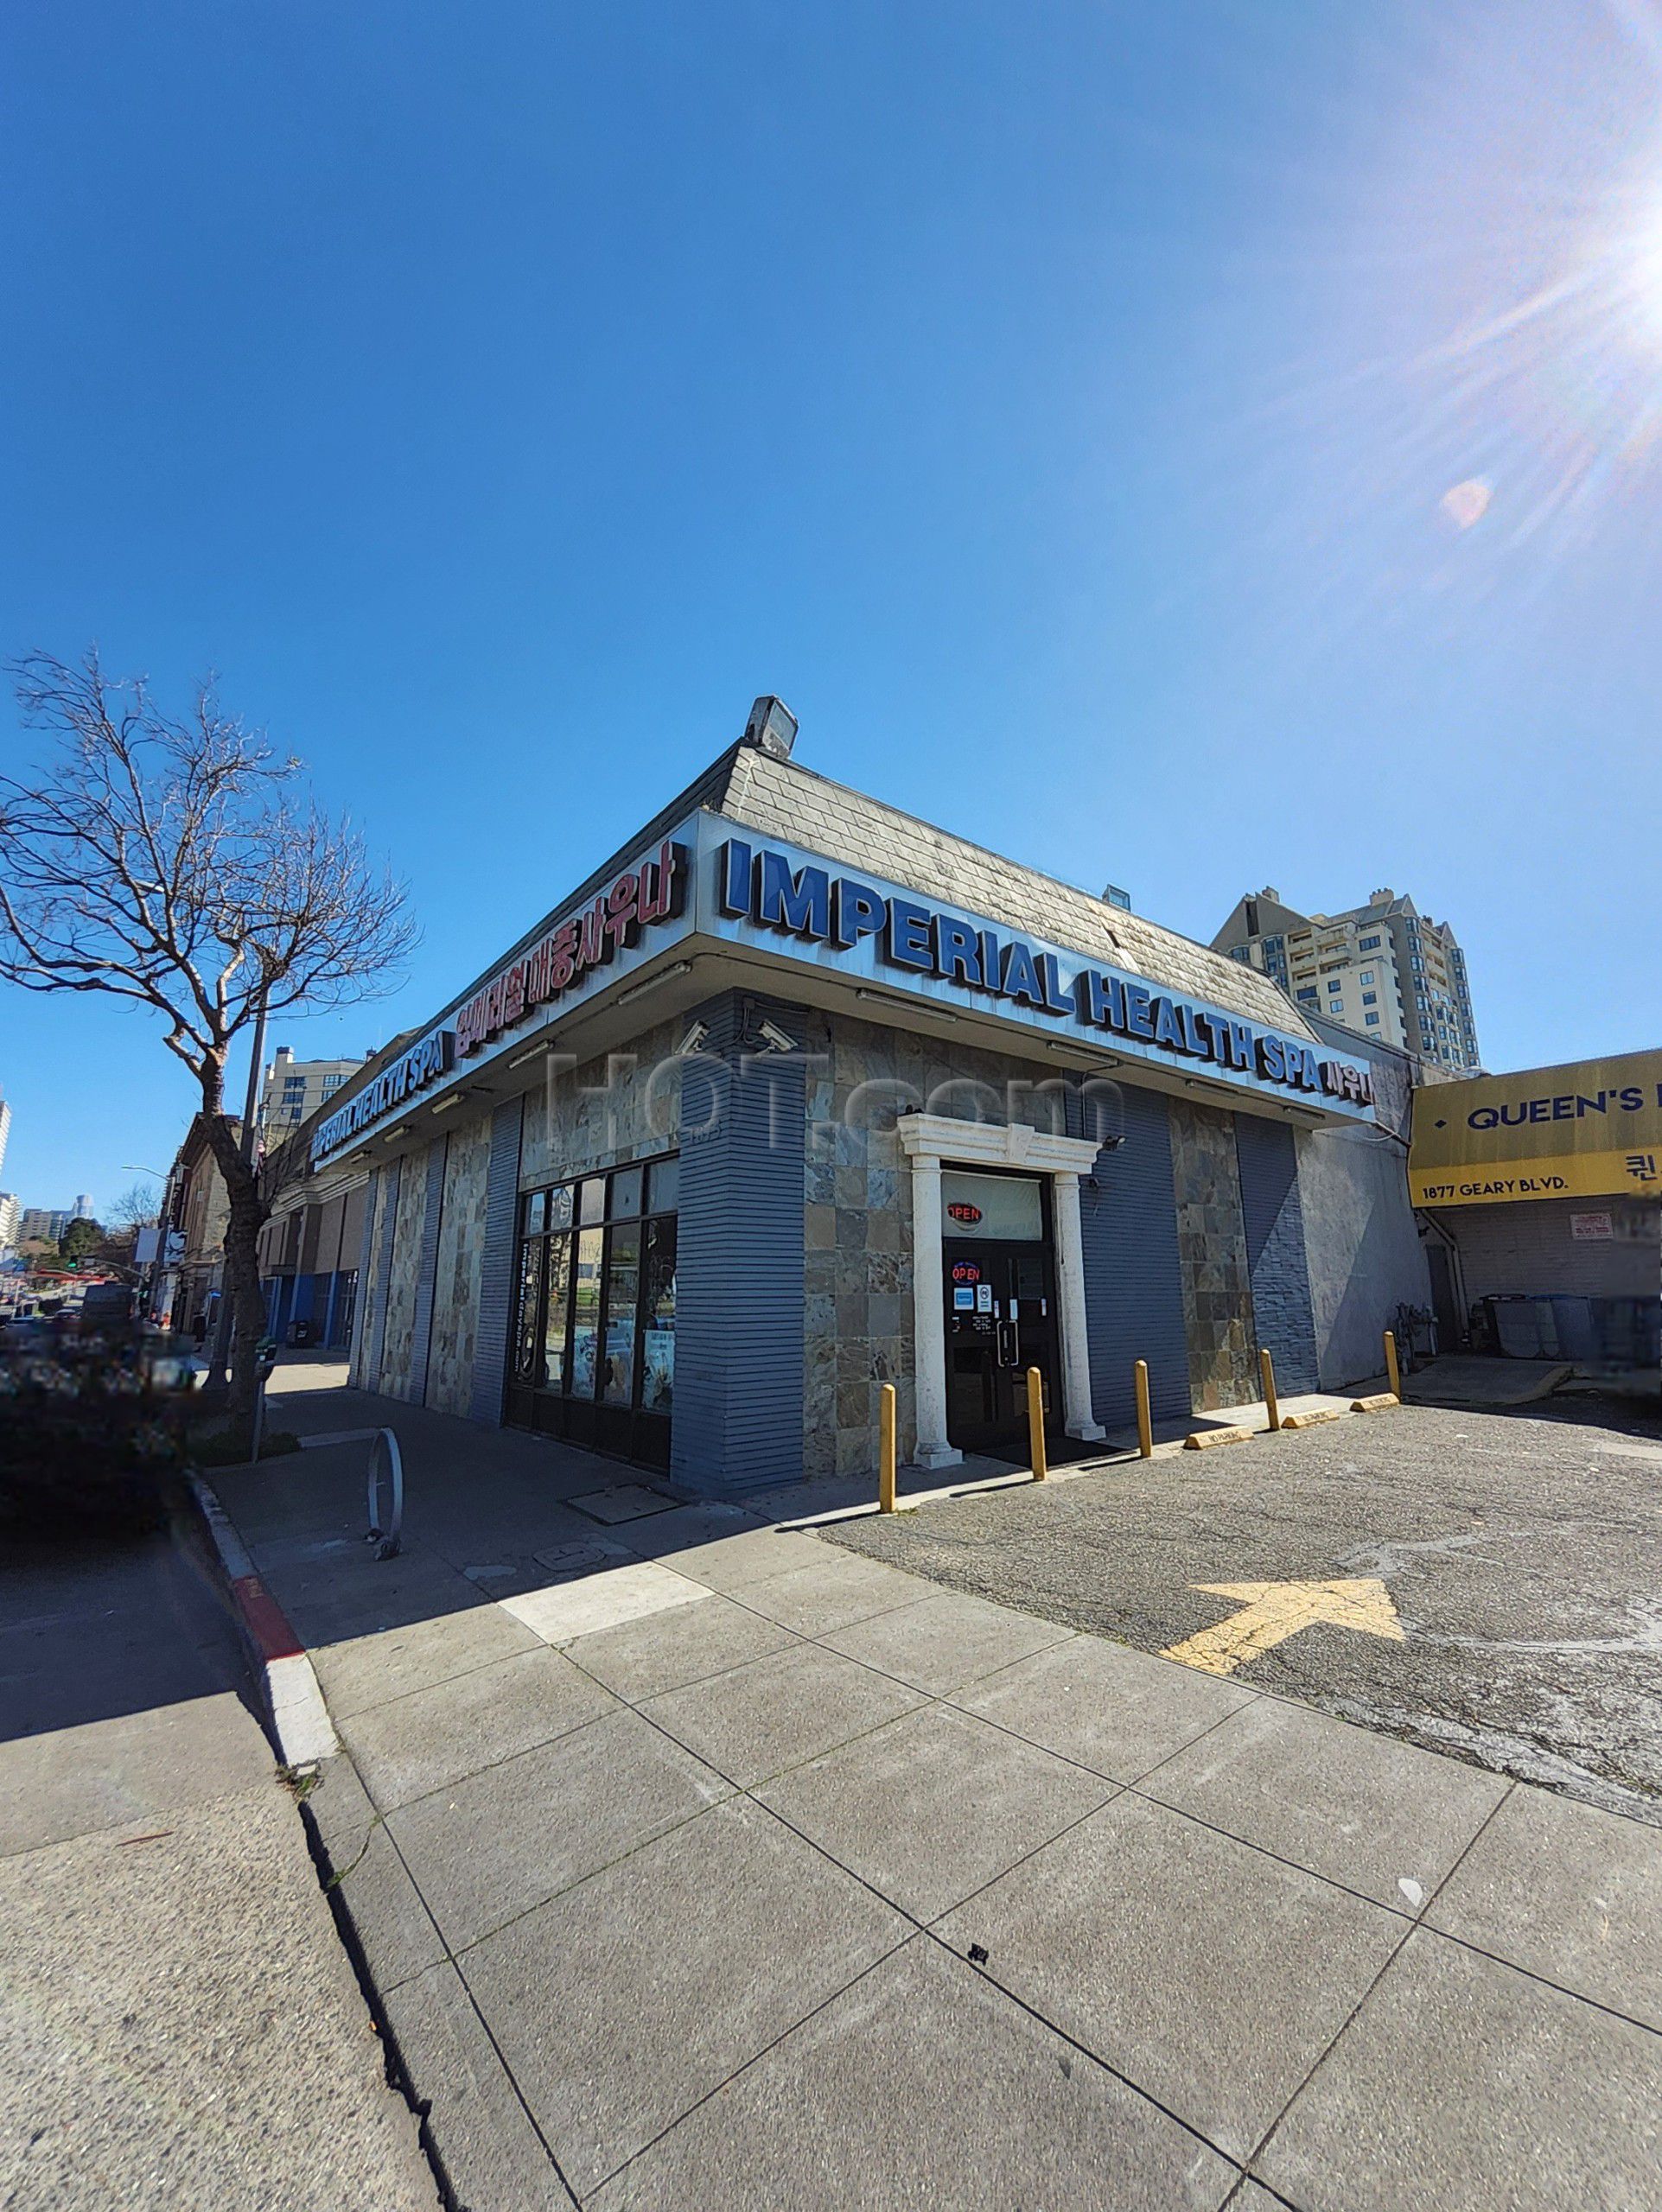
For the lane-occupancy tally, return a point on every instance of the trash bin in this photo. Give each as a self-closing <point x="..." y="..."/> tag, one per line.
<point x="300" y="1334"/>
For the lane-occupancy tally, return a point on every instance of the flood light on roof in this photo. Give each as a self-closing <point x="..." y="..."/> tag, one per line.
<point x="772" y="727"/>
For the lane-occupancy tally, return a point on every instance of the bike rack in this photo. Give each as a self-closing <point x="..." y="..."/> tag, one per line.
<point x="386" y="1530"/>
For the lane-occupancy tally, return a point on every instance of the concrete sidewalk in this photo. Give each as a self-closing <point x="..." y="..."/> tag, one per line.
<point x="179" y="2027"/>
<point x="715" y="1867"/>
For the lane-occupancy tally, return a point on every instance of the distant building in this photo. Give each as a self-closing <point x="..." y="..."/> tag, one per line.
<point x="198" y="1210"/>
<point x="5" y="1129"/>
<point x="42" y="1224"/>
<point x="293" y="1090"/>
<point x="1384" y="969"/>
<point x="9" y="1218"/>
<point x="82" y="1209"/>
<point x="1543" y="1193"/>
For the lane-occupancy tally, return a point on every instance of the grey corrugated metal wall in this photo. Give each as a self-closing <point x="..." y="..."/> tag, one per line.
<point x="1530" y="1246"/>
<point x="739" y="1274"/>
<point x="1133" y="1285"/>
<point x="421" y="1337"/>
<point x="390" y="1178"/>
<point x="496" y="1266"/>
<point x="1280" y="1274"/>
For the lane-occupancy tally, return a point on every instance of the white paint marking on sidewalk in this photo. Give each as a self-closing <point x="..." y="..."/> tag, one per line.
<point x="603" y="1600"/>
<point x="1272" y="1611"/>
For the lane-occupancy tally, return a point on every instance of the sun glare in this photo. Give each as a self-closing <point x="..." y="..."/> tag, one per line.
<point x="1645" y="278"/>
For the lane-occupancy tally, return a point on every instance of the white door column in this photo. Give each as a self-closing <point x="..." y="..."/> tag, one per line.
<point x="1070" y="1296"/>
<point x="929" y="1312"/>
<point x="927" y="1139"/>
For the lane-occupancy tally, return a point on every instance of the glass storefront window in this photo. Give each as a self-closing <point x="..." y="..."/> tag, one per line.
<point x="558" y="1311"/>
<point x="664" y="1185"/>
<point x="585" y="1312"/>
<point x="657" y="1317"/>
<point x="524" y="1342"/>
<point x="595" y="1303"/>
<point x="626" y="1193"/>
<point x="622" y="1296"/>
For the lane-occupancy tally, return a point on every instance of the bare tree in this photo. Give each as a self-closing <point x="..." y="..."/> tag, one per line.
<point x="136" y="1208"/>
<point x="179" y="863"/>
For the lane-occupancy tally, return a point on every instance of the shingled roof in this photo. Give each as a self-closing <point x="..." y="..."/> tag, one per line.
<point x="788" y="801"/>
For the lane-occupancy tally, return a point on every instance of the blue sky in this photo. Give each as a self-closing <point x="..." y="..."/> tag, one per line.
<point x="1060" y="406"/>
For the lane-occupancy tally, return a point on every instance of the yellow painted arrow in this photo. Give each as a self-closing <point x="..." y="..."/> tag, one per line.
<point x="1272" y="1611"/>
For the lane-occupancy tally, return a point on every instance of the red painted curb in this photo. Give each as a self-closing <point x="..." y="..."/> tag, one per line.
<point x="287" y="1681"/>
<point x="267" y="1623"/>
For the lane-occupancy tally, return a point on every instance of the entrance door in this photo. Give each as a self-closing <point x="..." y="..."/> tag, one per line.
<point x="1001" y="1319"/>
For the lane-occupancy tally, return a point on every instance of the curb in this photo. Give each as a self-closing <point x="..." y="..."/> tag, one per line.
<point x="288" y="1681"/>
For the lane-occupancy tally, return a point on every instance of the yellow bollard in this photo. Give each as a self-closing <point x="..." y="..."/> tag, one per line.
<point x="1267" y="1367"/>
<point x="886" y="1469"/>
<point x="1391" y="1368"/>
<point x="1036" y="1424"/>
<point x="1144" y="1421"/>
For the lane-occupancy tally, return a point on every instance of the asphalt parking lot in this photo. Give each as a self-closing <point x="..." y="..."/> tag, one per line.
<point x="1502" y="1573"/>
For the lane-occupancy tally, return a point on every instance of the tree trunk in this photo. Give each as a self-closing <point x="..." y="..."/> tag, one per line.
<point x="248" y="1216"/>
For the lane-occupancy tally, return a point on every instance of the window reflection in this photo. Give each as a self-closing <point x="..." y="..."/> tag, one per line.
<point x="556" y="1327"/>
<point x="657" y="1317"/>
<point x="585" y="1312"/>
<point x="594" y="1304"/>
<point x="622" y="1296"/>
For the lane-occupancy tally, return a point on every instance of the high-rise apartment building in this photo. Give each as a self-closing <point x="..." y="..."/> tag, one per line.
<point x="1385" y="969"/>
<point x="8" y="1220"/>
<point x="44" y="1224"/>
<point x="293" y="1090"/>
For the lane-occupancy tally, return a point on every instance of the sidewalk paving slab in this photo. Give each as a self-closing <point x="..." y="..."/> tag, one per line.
<point x="1451" y="2092"/>
<point x="431" y="1737"/>
<point x="673" y="1968"/>
<point x="602" y="1599"/>
<point x="1211" y="1976"/>
<point x="491" y="1846"/>
<point x="493" y="2155"/>
<point x="1111" y="1709"/>
<point x="397" y="1932"/>
<point x="941" y="1643"/>
<point x="369" y="1670"/>
<point x="1566" y="1893"/>
<point x="923" y="2084"/>
<point x="758" y="1719"/>
<point x="933" y="1806"/>
<point x="831" y="1592"/>
<point x="1369" y="1813"/>
<point x="642" y="1659"/>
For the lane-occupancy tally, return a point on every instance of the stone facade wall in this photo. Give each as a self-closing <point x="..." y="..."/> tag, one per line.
<point x="1212" y="1250"/>
<point x="363" y="1333"/>
<point x="403" y="1279"/>
<point x="859" y="1331"/>
<point x="605" y="1113"/>
<point x="460" y="1270"/>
